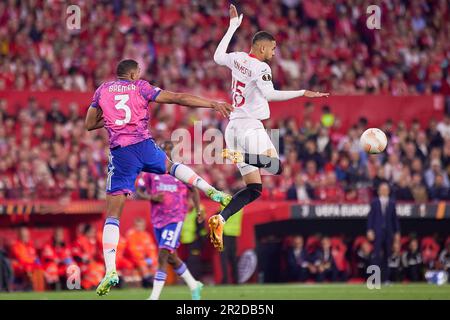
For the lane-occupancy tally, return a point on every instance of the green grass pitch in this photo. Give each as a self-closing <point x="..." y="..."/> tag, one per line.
<point x="258" y="291"/>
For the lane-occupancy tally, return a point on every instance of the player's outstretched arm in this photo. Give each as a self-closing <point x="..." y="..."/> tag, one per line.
<point x="278" y="95"/>
<point x="189" y="100"/>
<point x="220" y="56"/>
<point x="94" y="119"/>
<point x="265" y="85"/>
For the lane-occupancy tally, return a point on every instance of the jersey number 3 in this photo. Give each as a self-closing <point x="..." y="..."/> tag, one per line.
<point x="238" y="98"/>
<point x="121" y="105"/>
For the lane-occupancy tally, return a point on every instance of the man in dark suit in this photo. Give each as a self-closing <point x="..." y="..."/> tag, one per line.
<point x="383" y="228"/>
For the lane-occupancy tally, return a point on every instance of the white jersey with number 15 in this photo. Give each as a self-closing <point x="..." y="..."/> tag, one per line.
<point x="250" y="77"/>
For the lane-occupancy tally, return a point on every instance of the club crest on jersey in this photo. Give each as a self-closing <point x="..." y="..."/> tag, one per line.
<point x="266" y="77"/>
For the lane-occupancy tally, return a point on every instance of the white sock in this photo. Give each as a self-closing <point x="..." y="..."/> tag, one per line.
<point x="221" y="219"/>
<point x="158" y="284"/>
<point x="110" y="240"/>
<point x="187" y="175"/>
<point x="184" y="273"/>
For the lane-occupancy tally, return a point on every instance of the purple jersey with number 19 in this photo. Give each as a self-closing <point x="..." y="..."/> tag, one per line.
<point x="125" y="110"/>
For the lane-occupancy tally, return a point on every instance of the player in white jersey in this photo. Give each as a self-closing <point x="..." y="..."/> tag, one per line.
<point x="249" y="145"/>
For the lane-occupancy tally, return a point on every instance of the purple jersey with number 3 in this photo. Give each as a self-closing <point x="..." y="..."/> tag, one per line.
<point x="174" y="207"/>
<point x="125" y="110"/>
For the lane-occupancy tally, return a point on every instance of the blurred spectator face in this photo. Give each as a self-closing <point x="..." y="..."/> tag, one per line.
<point x="287" y="172"/>
<point x="331" y="178"/>
<point x="416" y="180"/>
<point x="436" y="166"/>
<point x="297" y="242"/>
<point x="393" y="159"/>
<point x="421" y="138"/>
<point x="55" y="105"/>
<point x="311" y="167"/>
<point x="89" y="231"/>
<point x="299" y="180"/>
<point x="344" y="163"/>
<point x="439" y="181"/>
<point x="396" y="247"/>
<point x="383" y="190"/>
<point x="416" y="165"/>
<point x="326" y="243"/>
<point x="310" y="146"/>
<point x="414" y="245"/>
<point x="92" y="190"/>
<point x="404" y="181"/>
<point x="24" y="235"/>
<point x="59" y="235"/>
<point x="139" y="224"/>
<point x="268" y="181"/>
<point x="366" y="248"/>
<point x="292" y="156"/>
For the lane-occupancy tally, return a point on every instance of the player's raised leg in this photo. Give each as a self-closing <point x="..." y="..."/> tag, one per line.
<point x="187" y="175"/>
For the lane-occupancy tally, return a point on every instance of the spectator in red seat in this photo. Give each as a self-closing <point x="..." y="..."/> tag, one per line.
<point x="364" y="258"/>
<point x="300" y="190"/>
<point x="324" y="262"/>
<point x="312" y="176"/>
<point x="85" y="246"/>
<point x="298" y="260"/>
<point x="395" y="263"/>
<point x="430" y="251"/>
<point x="24" y="256"/>
<point x="87" y="255"/>
<point x="142" y="251"/>
<point x="56" y="258"/>
<point x="412" y="262"/>
<point x="329" y="190"/>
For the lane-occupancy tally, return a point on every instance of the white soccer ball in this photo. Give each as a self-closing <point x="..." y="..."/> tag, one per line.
<point x="373" y="140"/>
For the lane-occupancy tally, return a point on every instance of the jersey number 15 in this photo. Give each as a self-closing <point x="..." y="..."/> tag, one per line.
<point x="237" y="88"/>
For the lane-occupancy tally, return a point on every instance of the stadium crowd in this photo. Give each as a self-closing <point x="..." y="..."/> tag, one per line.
<point x="322" y="45"/>
<point x="49" y="155"/>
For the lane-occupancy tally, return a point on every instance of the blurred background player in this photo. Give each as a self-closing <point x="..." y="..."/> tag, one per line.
<point x="121" y="106"/>
<point x="245" y="136"/>
<point x="169" y="198"/>
<point x="142" y="251"/>
<point x="228" y="257"/>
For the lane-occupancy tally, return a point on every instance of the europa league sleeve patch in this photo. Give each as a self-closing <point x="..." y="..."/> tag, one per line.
<point x="267" y="77"/>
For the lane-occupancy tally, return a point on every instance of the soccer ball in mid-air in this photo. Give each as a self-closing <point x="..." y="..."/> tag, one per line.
<point x="373" y="140"/>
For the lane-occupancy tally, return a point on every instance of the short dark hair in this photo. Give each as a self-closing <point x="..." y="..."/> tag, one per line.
<point x="262" y="35"/>
<point x="126" y="66"/>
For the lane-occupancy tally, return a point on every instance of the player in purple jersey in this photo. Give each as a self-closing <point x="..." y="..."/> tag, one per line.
<point x="121" y="106"/>
<point x="169" y="198"/>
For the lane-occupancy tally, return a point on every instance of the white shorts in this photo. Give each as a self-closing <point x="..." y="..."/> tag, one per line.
<point x="249" y="136"/>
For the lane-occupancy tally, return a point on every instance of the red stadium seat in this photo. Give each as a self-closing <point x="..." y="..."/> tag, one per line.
<point x="430" y="249"/>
